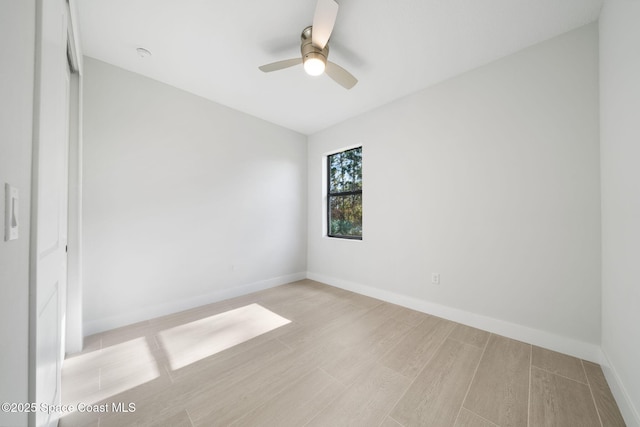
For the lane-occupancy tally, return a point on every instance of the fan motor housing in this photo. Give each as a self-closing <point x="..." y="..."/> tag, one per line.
<point x="308" y="50"/>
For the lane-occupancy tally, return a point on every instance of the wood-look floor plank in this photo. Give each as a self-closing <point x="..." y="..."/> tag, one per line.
<point x="309" y="334"/>
<point x="469" y="335"/>
<point x="358" y="356"/>
<point x="418" y="346"/>
<point x="124" y="369"/>
<point x="157" y="402"/>
<point x="125" y="333"/>
<point x="181" y="419"/>
<point x="305" y="309"/>
<point x="79" y="419"/>
<point x="144" y="415"/>
<point x="85" y="372"/>
<point x="366" y="402"/>
<point x="289" y="292"/>
<point x="390" y="422"/>
<point x="224" y="403"/>
<point x="129" y="367"/>
<point x="361" y="327"/>
<point x="159" y="324"/>
<point x="198" y="340"/>
<point x="466" y="418"/>
<point x="559" y="401"/>
<point x="500" y="389"/>
<point x="558" y="363"/>
<point x="605" y="403"/>
<point x="360" y="300"/>
<point x="311" y="394"/>
<point x="411" y="317"/>
<point x="241" y="359"/>
<point x="435" y="396"/>
<point x="314" y="311"/>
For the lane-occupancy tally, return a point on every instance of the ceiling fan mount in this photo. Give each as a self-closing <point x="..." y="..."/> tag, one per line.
<point x="314" y="48"/>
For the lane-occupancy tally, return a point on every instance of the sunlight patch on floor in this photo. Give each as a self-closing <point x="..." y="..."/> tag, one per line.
<point x="188" y="343"/>
<point x="104" y="373"/>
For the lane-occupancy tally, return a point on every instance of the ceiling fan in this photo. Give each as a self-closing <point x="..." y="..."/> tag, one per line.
<point x="315" y="48"/>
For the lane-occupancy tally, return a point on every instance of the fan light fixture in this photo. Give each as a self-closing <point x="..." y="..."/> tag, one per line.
<point x="314" y="64"/>
<point x="314" y="48"/>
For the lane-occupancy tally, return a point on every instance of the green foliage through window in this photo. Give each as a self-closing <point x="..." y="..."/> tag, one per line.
<point x="344" y="207"/>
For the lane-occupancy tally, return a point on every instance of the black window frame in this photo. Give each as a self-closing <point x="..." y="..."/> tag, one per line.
<point x="338" y="194"/>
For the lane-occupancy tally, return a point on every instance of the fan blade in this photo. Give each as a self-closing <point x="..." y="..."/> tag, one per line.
<point x="279" y="65"/>
<point x="340" y="75"/>
<point x="323" y="22"/>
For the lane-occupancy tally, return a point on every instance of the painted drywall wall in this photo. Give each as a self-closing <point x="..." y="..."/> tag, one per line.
<point x="17" y="50"/>
<point x="185" y="201"/>
<point x="620" y="152"/>
<point x="490" y="179"/>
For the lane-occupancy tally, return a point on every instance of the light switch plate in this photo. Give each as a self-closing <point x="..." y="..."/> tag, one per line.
<point x="11" y="206"/>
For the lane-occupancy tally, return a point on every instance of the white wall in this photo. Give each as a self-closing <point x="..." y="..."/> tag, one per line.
<point x="620" y="155"/>
<point x="17" y="50"/>
<point x="185" y="201"/>
<point x="490" y="179"/>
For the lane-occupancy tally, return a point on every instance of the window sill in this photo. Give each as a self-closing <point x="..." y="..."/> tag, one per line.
<point x="350" y="239"/>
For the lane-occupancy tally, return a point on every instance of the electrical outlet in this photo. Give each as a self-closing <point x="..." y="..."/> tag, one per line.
<point x="435" y="278"/>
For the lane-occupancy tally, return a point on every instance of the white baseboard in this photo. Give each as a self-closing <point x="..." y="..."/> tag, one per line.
<point x="625" y="404"/>
<point x="146" y="313"/>
<point x="549" y="340"/>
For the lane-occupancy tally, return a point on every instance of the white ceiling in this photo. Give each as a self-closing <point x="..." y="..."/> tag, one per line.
<point x="213" y="48"/>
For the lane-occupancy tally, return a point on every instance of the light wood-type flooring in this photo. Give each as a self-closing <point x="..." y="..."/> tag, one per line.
<point x="330" y="358"/>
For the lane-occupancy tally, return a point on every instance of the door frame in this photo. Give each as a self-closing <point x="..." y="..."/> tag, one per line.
<point x="74" y="313"/>
<point x="73" y="324"/>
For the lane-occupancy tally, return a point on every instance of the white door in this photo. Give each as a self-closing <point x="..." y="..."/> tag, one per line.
<point x="49" y="228"/>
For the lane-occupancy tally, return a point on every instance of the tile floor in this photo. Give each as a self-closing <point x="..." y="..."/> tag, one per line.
<point x="308" y="354"/>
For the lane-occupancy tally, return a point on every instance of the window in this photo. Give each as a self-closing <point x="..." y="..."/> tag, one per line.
<point x="344" y="194"/>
